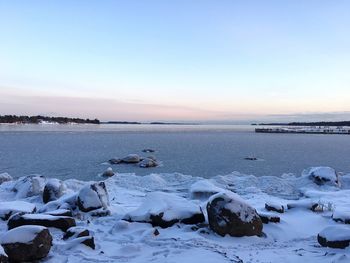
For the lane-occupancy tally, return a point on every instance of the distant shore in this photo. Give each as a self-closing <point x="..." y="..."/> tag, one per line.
<point x="320" y="123"/>
<point x="44" y="119"/>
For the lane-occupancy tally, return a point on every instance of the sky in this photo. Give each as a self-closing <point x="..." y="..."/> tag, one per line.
<point x="176" y="60"/>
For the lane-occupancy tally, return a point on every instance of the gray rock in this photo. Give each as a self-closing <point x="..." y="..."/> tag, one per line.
<point x="131" y="158"/>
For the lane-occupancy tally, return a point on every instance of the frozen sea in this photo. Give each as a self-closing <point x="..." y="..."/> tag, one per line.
<point x="80" y="151"/>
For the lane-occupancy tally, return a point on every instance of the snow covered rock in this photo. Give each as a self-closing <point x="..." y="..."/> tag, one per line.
<point x="323" y="175"/>
<point x="203" y="189"/>
<point x="5" y="177"/>
<point x="3" y="256"/>
<point x="341" y="215"/>
<point x="148" y="162"/>
<point x="29" y="186"/>
<point x="304" y="204"/>
<point x="12" y="207"/>
<point x="269" y="218"/>
<point x="131" y="158"/>
<point x="229" y="214"/>
<point x="53" y="190"/>
<point x="334" y="237"/>
<point x="60" y="212"/>
<point x="271" y="206"/>
<point x="108" y="173"/>
<point x="60" y="222"/>
<point x="164" y="210"/>
<point x="93" y="196"/>
<point x="27" y="243"/>
<point x="79" y="232"/>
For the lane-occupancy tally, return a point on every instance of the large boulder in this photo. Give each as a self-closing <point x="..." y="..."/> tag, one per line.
<point x="271" y="206"/>
<point x="12" y="207"/>
<point x="28" y="186"/>
<point x="323" y="175"/>
<point x="53" y="190"/>
<point x="60" y="222"/>
<point x="5" y="177"/>
<point x="229" y="214"/>
<point x="93" y="196"/>
<point x="27" y="243"/>
<point x="164" y="210"/>
<point x="334" y="237"/>
<point x="131" y="158"/>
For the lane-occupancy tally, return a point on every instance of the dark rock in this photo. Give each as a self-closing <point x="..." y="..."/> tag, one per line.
<point x="53" y="190"/>
<point x="24" y="251"/>
<point x="80" y="233"/>
<point x="60" y="222"/>
<point x="268" y="218"/>
<point x="156" y="232"/>
<point x="230" y="214"/>
<point x="93" y="196"/>
<point x="274" y="207"/>
<point x="334" y="237"/>
<point x="251" y="158"/>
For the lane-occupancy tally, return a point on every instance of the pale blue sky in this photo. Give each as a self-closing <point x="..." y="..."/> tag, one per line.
<point x="174" y="60"/>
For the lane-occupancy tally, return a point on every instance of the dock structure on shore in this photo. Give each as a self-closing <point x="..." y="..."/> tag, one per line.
<point x="305" y="130"/>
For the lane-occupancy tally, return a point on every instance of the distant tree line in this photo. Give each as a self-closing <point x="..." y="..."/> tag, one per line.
<point x="38" y="119"/>
<point x="320" y="123"/>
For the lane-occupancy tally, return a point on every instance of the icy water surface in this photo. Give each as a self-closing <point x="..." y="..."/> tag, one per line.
<point x="79" y="151"/>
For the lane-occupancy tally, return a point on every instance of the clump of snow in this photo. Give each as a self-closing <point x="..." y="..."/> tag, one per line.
<point x="21" y="234"/>
<point x="5" y="177"/>
<point x="172" y="207"/>
<point x="12" y="207"/>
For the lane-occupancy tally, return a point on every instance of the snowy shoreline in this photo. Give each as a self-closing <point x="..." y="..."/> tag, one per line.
<point x="291" y="240"/>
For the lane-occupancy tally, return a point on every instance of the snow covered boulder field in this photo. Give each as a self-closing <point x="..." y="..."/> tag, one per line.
<point x="178" y="218"/>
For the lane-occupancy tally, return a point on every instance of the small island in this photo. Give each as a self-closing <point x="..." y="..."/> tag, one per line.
<point x="319" y="123"/>
<point x="44" y="119"/>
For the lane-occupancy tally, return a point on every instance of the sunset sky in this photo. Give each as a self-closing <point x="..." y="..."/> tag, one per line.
<point x="176" y="60"/>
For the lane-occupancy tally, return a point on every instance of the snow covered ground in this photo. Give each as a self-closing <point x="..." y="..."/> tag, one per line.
<point x="294" y="239"/>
